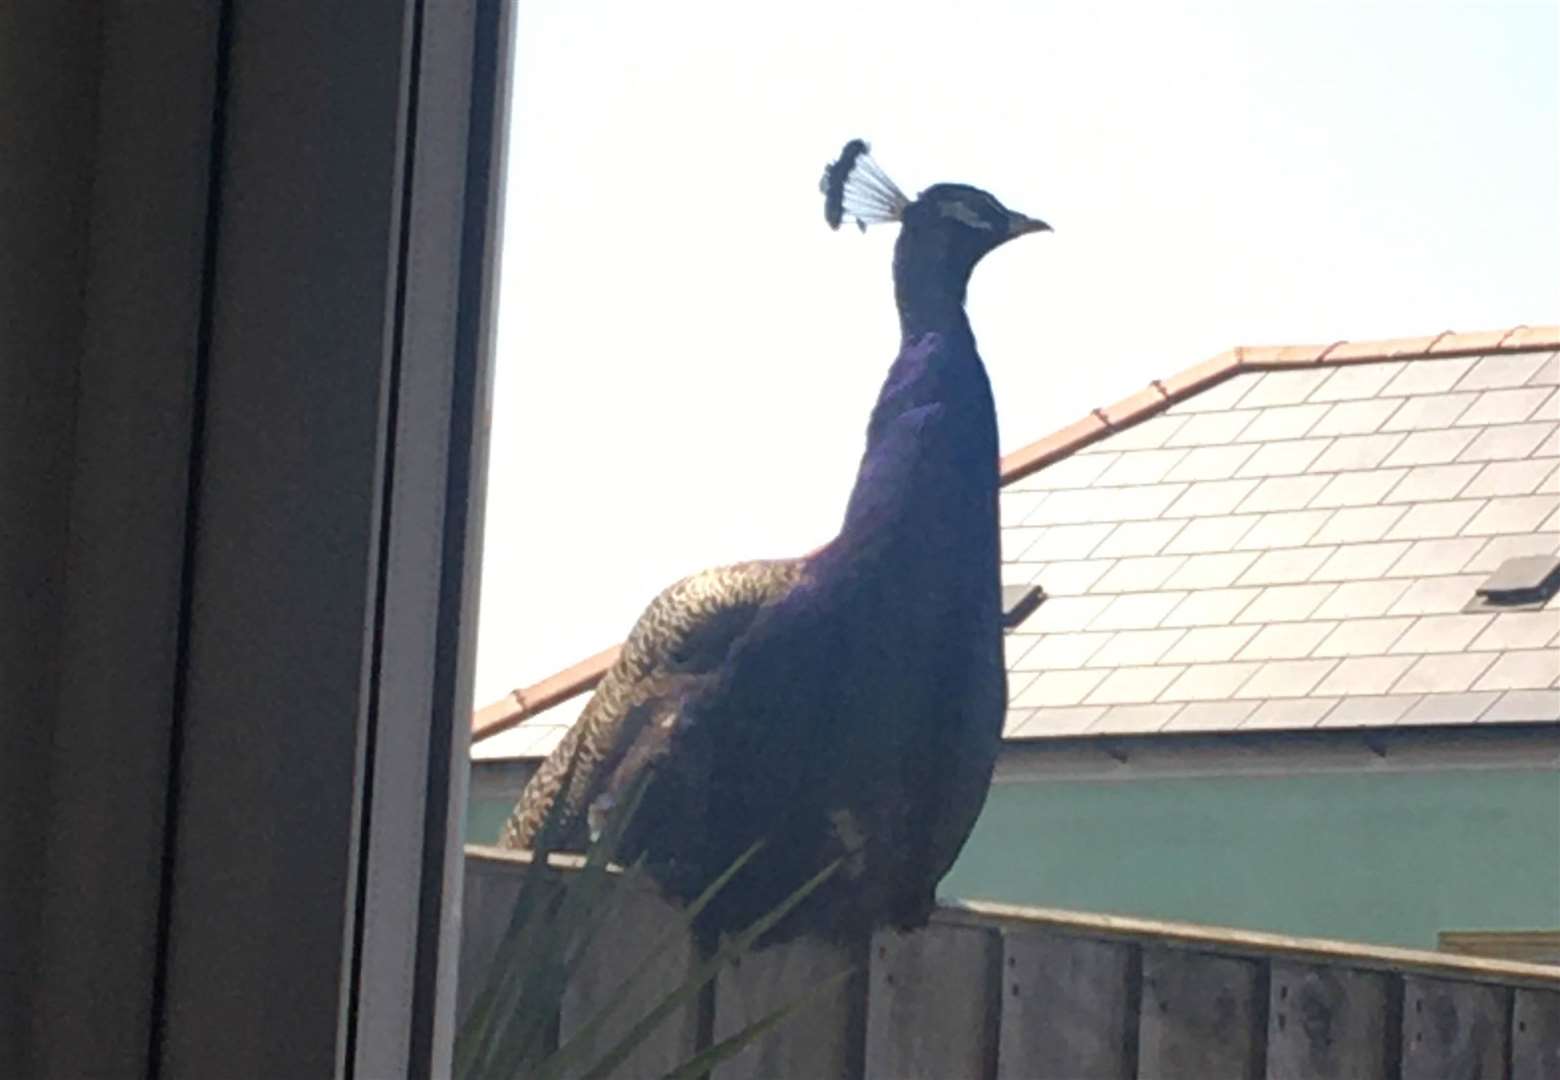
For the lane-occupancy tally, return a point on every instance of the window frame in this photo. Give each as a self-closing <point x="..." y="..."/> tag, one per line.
<point x="259" y="766"/>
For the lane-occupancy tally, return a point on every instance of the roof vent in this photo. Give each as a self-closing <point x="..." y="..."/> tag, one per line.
<point x="1520" y="584"/>
<point x="1018" y="603"/>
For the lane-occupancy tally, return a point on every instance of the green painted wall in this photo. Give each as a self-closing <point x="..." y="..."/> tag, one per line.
<point x="1384" y="858"/>
<point x="1389" y="858"/>
<point x="485" y="819"/>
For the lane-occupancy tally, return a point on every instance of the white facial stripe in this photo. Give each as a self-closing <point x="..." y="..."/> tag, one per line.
<point x="956" y="209"/>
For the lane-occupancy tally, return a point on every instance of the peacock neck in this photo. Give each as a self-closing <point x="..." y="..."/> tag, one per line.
<point x="929" y="288"/>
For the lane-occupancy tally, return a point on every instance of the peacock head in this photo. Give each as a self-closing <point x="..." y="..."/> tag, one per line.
<point x="952" y="225"/>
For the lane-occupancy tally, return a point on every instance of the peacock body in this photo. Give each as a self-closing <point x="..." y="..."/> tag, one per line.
<point x="845" y="705"/>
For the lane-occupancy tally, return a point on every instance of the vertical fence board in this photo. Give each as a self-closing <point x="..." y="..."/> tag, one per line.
<point x="489" y="896"/>
<point x="1535" y="1035"/>
<point x="822" y="1041"/>
<point x="1067" y="1008"/>
<point x="637" y="926"/>
<point x="1453" y="1030"/>
<point x="932" y="1004"/>
<point x="1201" y="1016"/>
<point x="1327" y="1022"/>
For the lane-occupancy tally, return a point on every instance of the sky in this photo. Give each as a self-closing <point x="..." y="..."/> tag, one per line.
<point x="686" y="355"/>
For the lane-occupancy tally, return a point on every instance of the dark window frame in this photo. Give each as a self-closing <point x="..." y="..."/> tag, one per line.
<point x="259" y="757"/>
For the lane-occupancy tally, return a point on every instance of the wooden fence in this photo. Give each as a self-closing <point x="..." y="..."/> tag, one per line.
<point x="993" y="991"/>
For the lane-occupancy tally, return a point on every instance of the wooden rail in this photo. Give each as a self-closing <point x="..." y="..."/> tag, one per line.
<point x="998" y="992"/>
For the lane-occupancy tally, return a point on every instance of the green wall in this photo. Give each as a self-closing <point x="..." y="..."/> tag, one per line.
<point x="1389" y="858"/>
<point x="485" y="819"/>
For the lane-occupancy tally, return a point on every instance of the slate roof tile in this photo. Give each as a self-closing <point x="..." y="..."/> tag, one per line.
<point x="1448" y="709"/>
<point x="1356" y="417"/>
<point x="1428" y="376"/>
<point x="1355" y="382"/>
<point x="1532" y="669"/>
<point x="1138" y="538"/>
<point x="1428" y="413"/>
<point x="1287" y="603"/>
<point x="1210" y="429"/>
<point x="1430" y="558"/>
<point x="1358" y="488"/>
<point x="1286" y="528"/>
<point x="1211" y="462"/>
<point x="1136" y="611"/>
<point x="1435" y="596"/>
<point x="1352" y="524"/>
<point x="1209" y="644"/>
<point x="1504" y="406"/>
<point x="1283" y="458"/>
<point x="1211" y="571"/>
<point x="1512" y="514"/>
<point x="1357" y="452"/>
<point x="1135" y="648"/>
<point x="1142" y="574"/>
<point x="1491" y="372"/>
<point x="1211" y="716"/>
<point x="1524" y="705"/>
<point x="1071" y="541"/>
<point x="1362" y="599"/>
<point x="1500" y="548"/>
<point x="1511" y="477"/>
<point x="1285" y="566"/>
<point x="1442" y="673"/>
<point x="1286" y="641"/>
<point x="1360" y="562"/>
<point x="1440" y="633"/>
<point x="1284" y="387"/>
<point x="1132" y="685"/>
<point x="1507" y="442"/>
<point x="1282" y="422"/>
<point x="1208" y="682"/>
<point x="1425" y="520"/>
<point x="1363" y="637"/>
<point x="1063" y="721"/>
<point x="1286" y="678"/>
<point x="1211" y="497"/>
<point x="1210" y="534"/>
<point x="1058" y="650"/>
<point x="1547" y="373"/>
<point x="1141" y="467"/>
<point x="1431" y="482"/>
<point x="1369" y="710"/>
<point x="1520" y="630"/>
<point x="1210" y="607"/>
<point x="1290" y="713"/>
<point x="1133" y="719"/>
<point x="1431" y="447"/>
<point x="1058" y="688"/>
<point x="1282" y="493"/>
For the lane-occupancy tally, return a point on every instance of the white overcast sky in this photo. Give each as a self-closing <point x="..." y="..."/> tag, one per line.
<point x="687" y="355"/>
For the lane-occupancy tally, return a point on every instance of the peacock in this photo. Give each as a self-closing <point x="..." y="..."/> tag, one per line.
<point x="846" y="705"/>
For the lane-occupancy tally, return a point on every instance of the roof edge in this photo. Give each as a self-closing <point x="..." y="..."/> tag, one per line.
<point x="1160" y="394"/>
<point x="522" y="704"/>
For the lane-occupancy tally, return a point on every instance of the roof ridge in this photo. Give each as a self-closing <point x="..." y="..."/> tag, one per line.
<point x="1155" y="398"/>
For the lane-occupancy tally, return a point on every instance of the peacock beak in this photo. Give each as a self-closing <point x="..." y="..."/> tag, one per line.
<point x="1018" y="225"/>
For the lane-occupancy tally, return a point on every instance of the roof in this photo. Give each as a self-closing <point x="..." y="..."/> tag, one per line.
<point x="1275" y="538"/>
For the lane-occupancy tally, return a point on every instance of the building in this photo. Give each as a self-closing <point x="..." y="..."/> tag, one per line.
<point x="1296" y="666"/>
